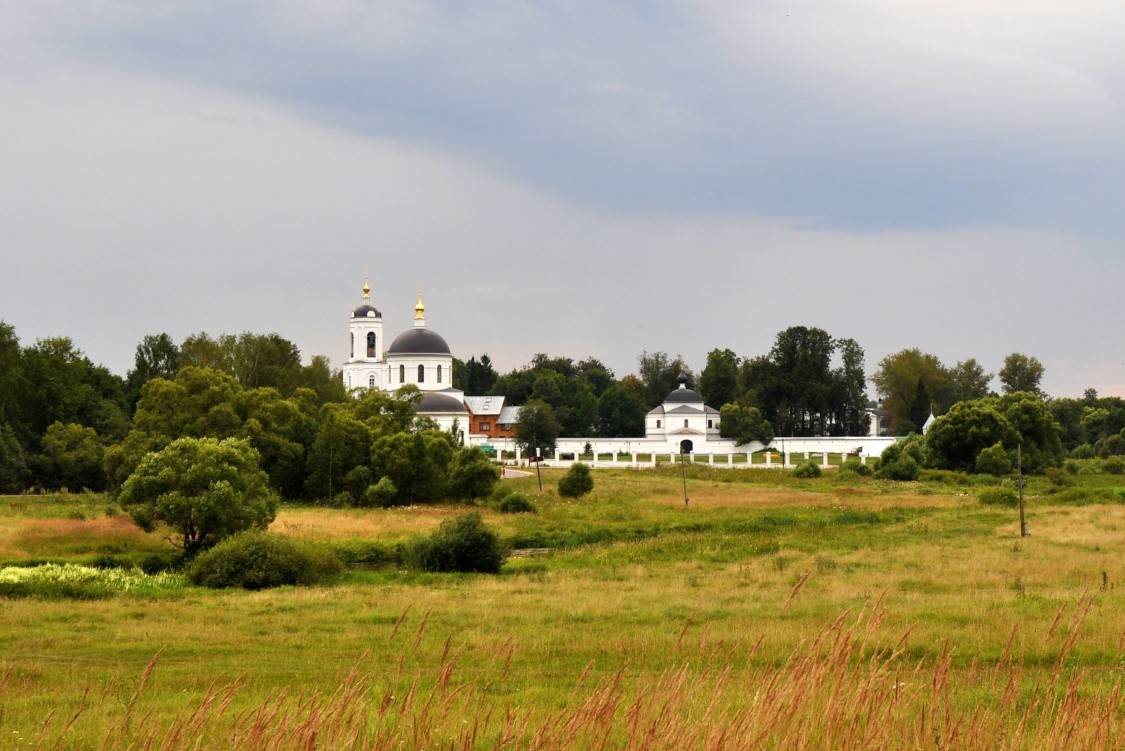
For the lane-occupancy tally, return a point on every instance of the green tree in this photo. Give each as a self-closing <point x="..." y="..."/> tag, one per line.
<point x="896" y="382"/>
<point x="282" y="430"/>
<point x="660" y="375"/>
<point x="621" y="413"/>
<point x="319" y="377"/>
<point x="921" y="407"/>
<point x="1021" y="373"/>
<point x="472" y="474"/>
<point x="157" y="356"/>
<point x="849" y="393"/>
<point x="793" y="385"/>
<point x="203" y="488"/>
<point x="254" y="360"/>
<point x="11" y="377"/>
<point x="417" y="464"/>
<point x="62" y="385"/>
<point x="14" y="473"/>
<point x="1035" y="429"/>
<point x="956" y="439"/>
<point x="744" y="425"/>
<point x="477" y="376"/>
<point x="536" y="428"/>
<point x="597" y="374"/>
<point x="968" y="381"/>
<point x="718" y="383"/>
<point x="577" y="410"/>
<point x="342" y="443"/>
<point x="71" y="457"/>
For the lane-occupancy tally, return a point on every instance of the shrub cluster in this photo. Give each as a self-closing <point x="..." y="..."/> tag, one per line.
<point x="260" y="560"/>
<point x="854" y="465"/>
<point x="517" y="503"/>
<point x="576" y="482"/>
<point x="998" y="497"/>
<point x="807" y="469"/>
<point x="464" y="544"/>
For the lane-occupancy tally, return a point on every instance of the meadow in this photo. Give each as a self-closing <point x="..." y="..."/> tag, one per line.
<point x="767" y="612"/>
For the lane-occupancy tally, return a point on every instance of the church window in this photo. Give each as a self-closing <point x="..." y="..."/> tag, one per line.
<point x="685" y="423"/>
<point x="710" y="424"/>
<point x="658" y="423"/>
<point x="402" y="374"/>
<point x="371" y="344"/>
<point x="439" y="374"/>
<point x="353" y="346"/>
<point x="371" y="381"/>
<point x="421" y="374"/>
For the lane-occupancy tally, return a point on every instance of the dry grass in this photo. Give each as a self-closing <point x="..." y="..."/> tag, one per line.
<point x="22" y="539"/>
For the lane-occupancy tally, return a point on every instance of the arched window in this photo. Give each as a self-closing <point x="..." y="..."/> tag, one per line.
<point x="439" y="374"/>
<point x="371" y="344"/>
<point x="421" y="374"/>
<point x="352" y="350"/>
<point x="371" y="381"/>
<point x="402" y="374"/>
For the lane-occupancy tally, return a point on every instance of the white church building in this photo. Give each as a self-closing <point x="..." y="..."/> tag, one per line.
<point x="420" y="357"/>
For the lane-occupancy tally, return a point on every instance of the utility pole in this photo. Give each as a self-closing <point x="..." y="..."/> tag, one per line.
<point x="683" y="471"/>
<point x="538" y="461"/>
<point x="1019" y="484"/>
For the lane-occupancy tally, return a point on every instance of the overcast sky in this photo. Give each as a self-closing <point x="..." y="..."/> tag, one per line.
<point x="581" y="179"/>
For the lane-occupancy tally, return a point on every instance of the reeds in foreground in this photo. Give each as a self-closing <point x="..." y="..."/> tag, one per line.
<point x="837" y="691"/>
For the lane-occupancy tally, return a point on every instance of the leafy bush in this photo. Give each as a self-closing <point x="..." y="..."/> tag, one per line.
<point x="854" y="464"/>
<point x="576" y="482"/>
<point x="517" y="503"/>
<point x="380" y="495"/>
<point x="1058" y="477"/>
<point x="343" y="499"/>
<point x="994" y="460"/>
<point x="1113" y="466"/>
<point x="998" y="497"/>
<point x="945" y="477"/>
<point x="464" y="543"/>
<point x="904" y="468"/>
<point x="501" y="491"/>
<point x="902" y="460"/>
<point x="259" y="560"/>
<point x="807" y="469"/>
<point x="1085" y="496"/>
<point x="1082" y="451"/>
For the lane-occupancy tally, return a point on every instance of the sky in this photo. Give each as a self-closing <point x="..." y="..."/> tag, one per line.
<point x="576" y="178"/>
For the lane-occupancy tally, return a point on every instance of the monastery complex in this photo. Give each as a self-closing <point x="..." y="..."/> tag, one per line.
<point x="421" y="357"/>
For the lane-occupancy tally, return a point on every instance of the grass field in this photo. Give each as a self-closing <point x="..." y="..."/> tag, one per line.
<point x="769" y="612"/>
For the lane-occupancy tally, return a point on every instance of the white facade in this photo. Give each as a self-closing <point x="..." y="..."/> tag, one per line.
<point x="683" y="420"/>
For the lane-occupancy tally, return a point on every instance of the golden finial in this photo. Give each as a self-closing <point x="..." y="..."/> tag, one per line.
<point x="366" y="286"/>
<point x="419" y="309"/>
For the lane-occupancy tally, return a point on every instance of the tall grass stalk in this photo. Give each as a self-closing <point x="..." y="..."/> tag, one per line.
<point x="837" y="690"/>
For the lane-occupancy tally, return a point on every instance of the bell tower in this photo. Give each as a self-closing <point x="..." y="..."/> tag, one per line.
<point x="365" y="366"/>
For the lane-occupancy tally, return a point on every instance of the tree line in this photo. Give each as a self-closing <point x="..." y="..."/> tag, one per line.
<point x="67" y="422"/>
